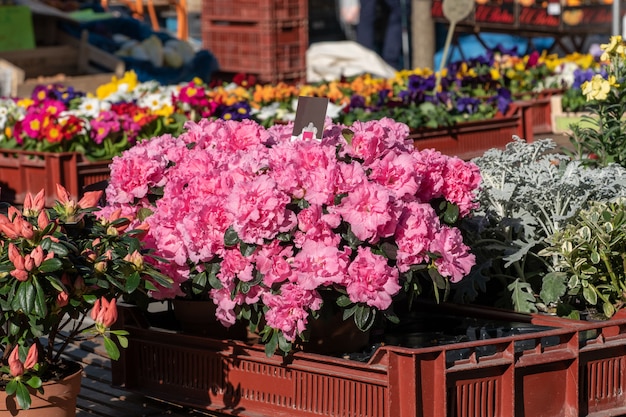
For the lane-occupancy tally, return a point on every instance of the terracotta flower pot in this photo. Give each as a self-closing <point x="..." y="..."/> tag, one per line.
<point x="58" y="399"/>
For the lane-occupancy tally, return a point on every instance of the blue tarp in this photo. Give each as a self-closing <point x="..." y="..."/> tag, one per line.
<point x="472" y="48"/>
<point x="101" y="32"/>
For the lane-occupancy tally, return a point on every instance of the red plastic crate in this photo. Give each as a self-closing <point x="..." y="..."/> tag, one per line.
<point x="254" y="10"/>
<point x="565" y="370"/>
<point x="468" y="140"/>
<point x="23" y="172"/>
<point x="271" y="50"/>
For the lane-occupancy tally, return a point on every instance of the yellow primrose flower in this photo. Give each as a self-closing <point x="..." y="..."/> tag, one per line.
<point x="598" y="88"/>
<point x="25" y="103"/>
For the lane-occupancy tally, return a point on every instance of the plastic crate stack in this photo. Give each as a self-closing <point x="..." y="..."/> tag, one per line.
<point x="266" y="38"/>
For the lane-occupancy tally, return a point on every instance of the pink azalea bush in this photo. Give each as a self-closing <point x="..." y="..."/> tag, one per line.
<point x="268" y="227"/>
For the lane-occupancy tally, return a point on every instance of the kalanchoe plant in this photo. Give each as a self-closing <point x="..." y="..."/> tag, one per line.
<point x="590" y="254"/>
<point x="56" y="265"/>
<point x="528" y="193"/>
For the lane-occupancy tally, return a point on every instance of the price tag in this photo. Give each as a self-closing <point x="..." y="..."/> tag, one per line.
<point x="310" y="117"/>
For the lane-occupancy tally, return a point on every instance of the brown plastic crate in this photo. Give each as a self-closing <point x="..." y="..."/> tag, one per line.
<point x="569" y="369"/>
<point x="254" y="10"/>
<point x="23" y="172"/>
<point x="277" y="48"/>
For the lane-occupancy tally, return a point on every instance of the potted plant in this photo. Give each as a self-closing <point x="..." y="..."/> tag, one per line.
<point x="59" y="135"/>
<point x="57" y="267"/>
<point x="273" y="229"/>
<point x="529" y="195"/>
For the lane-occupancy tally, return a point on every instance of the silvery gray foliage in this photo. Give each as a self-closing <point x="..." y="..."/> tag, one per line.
<point x="528" y="192"/>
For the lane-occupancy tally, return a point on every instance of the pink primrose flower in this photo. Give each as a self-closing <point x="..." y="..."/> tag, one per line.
<point x="289" y="310"/>
<point x="455" y="260"/>
<point x="371" y="280"/>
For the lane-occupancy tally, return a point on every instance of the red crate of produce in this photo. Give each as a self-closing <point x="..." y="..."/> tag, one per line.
<point x="273" y="51"/>
<point x="558" y="368"/>
<point x="254" y="10"/>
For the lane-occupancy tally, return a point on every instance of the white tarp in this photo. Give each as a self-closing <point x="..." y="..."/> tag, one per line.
<point x="328" y="61"/>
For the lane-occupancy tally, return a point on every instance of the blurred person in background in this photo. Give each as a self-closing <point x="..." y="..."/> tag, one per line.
<point x="371" y="22"/>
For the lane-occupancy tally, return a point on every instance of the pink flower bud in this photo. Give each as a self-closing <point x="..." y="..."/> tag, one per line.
<point x="15" y="256"/>
<point x="90" y="199"/>
<point x="62" y="299"/>
<point x="43" y="220"/>
<point x="62" y="195"/>
<point x="95" y="311"/>
<point x="32" y="357"/>
<point x="37" y="256"/>
<point x="136" y="259"/>
<point x="15" y="366"/>
<point x="34" y="205"/>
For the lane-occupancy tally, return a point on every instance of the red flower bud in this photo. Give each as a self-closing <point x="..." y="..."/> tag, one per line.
<point x="62" y="299"/>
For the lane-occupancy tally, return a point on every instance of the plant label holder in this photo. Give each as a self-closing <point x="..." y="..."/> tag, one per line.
<point x="310" y="116"/>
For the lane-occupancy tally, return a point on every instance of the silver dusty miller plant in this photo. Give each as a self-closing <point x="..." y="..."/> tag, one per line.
<point x="528" y="193"/>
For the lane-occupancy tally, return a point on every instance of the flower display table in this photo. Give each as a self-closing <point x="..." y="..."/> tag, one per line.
<point x="23" y="172"/>
<point x="501" y="376"/>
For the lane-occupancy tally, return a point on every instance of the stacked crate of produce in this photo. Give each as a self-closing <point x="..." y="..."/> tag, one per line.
<point x="266" y="38"/>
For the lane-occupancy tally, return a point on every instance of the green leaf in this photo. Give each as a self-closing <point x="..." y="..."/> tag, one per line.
<point x="608" y="309"/>
<point x="553" y="287"/>
<point x="343" y="301"/>
<point x="451" y="215"/>
<point x="246" y="249"/>
<point x="132" y="282"/>
<point x="522" y="296"/>
<point x="23" y="396"/>
<point x="11" y="387"/>
<point x="283" y="344"/>
<point x="230" y="237"/>
<point x="590" y="295"/>
<point x="111" y="348"/>
<point x="51" y="265"/>
<point x="24" y="297"/>
<point x="364" y="317"/>
<point x="271" y="344"/>
<point x="40" y="307"/>
<point x="34" y="382"/>
<point x="123" y="340"/>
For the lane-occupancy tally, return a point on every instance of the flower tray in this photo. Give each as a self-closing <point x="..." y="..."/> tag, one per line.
<point x="563" y="368"/>
<point x="538" y="107"/>
<point x="23" y="172"/>
<point x="471" y="139"/>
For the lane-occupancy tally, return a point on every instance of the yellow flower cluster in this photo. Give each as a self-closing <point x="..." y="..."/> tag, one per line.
<point x="615" y="48"/>
<point x="598" y="88"/>
<point x="128" y="82"/>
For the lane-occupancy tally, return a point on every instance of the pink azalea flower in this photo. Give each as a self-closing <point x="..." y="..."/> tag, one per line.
<point x="369" y="209"/>
<point x="461" y="180"/>
<point x="371" y="280"/>
<point x="318" y="265"/>
<point x="259" y="210"/>
<point x="289" y="310"/>
<point x="416" y="230"/>
<point x="455" y="259"/>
